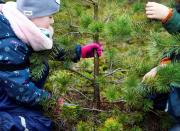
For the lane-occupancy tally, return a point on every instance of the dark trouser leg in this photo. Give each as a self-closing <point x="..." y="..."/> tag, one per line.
<point x="10" y="123"/>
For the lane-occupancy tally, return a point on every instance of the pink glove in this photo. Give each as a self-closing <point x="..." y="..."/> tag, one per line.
<point x="87" y="51"/>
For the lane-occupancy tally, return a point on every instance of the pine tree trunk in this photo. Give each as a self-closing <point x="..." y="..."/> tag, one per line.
<point x="96" y="63"/>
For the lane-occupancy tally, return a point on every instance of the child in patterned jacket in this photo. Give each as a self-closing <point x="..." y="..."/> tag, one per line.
<point x="26" y="26"/>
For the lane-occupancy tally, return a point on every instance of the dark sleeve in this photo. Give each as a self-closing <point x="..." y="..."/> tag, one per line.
<point x="173" y="55"/>
<point x="61" y="54"/>
<point x="173" y="24"/>
<point x="177" y="6"/>
<point x="173" y="27"/>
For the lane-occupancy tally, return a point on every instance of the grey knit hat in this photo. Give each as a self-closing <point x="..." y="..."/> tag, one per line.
<point x="38" y="8"/>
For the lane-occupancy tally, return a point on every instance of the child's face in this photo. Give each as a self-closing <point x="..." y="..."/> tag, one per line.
<point x="43" y="22"/>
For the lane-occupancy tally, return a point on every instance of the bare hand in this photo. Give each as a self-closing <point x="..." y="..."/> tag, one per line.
<point x="151" y="74"/>
<point x="156" y="11"/>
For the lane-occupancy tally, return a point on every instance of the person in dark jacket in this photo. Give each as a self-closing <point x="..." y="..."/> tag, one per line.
<point x="25" y="26"/>
<point x="170" y="19"/>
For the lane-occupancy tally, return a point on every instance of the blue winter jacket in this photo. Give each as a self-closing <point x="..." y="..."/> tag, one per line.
<point x="18" y="95"/>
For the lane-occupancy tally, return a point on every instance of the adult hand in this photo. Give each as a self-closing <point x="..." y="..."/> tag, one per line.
<point x="87" y="51"/>
<point x="156" y="11"/>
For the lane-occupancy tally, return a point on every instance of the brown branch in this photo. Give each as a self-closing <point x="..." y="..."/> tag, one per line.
<point x="91" y="80"/>
<point x="106" y="20"/>
<point x="91" y="1"/>
<point x="77" y="32"/>
<point x="94" y="109"/>
<point x="118" y="101"/>
<point x="114" y="71"/>
<point x="73" y="89"/>
<point x="154" y="113"/>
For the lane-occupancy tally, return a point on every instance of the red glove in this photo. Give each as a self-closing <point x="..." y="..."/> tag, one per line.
<point x="87" y="51"/>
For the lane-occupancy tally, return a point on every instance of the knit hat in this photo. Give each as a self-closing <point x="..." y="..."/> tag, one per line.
<point x="38" y="8"/>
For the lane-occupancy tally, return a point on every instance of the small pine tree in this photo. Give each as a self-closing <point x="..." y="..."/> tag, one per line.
<point x="128" y="54"/>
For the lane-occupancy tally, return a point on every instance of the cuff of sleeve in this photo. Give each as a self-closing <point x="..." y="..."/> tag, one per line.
<point x="78" y="52"/>
<point x="168" y="16"/>
<point x="165" y="60"/>
<point x="46" y="95"/>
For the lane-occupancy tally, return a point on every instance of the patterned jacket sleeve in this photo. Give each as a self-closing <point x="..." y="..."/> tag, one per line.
<point x="61" y="54"/>
<point x="27" y="93"/>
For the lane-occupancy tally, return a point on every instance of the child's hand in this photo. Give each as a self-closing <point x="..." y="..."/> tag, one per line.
<point x="60" y="103"/>
<point x="152" y="73"/>
<point x="156" y="11"/>
<point x="87" y="51"/>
